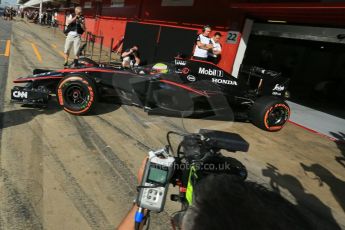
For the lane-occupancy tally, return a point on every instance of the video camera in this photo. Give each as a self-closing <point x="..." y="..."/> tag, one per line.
<point x="194" y="153"/>
<point x="80" y="19"/>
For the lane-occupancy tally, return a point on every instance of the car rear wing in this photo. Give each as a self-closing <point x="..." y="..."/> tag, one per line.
<point x="267" y="82"/>
<point x="259" y="72"/>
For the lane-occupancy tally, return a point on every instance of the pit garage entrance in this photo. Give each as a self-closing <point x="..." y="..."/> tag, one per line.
<point x="306" y="42"/>
<point x="312" y="57"/>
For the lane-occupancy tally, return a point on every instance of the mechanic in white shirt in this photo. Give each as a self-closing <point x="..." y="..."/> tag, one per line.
<point x="203" y="44"/>
<point x="214" y="53"/>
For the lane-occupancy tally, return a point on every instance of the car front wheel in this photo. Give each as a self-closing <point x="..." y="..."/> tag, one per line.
<point x="77" y="94"/>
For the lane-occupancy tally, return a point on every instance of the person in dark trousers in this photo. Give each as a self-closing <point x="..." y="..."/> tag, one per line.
<point x="7" y="13"/>
<point x="203" y="44"/>
<point x="215" y="52"/>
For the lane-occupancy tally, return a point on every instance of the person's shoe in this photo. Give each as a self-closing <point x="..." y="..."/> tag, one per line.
<point x="66" y="63"/>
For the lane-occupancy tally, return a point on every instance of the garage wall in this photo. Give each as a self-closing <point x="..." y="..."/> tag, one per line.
<point x="90" y="24"/>
<point x="130" y="9"/>
<point x="228" y="53"/>
<point x="110" y="22"/>
<point x="110" y="28"/>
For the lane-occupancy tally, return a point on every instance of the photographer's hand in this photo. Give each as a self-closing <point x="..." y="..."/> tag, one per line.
<point x="82" y="24"/>
<point x="128" y="221"/>
<point x="141" y="170"/>
<point x="73" y="19"/>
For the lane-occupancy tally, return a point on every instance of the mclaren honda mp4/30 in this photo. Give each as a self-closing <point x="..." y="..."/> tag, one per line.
<point x="188" y="86"/>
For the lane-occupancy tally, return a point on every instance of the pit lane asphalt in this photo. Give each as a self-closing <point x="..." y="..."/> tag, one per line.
<point x="5" y="35"/>
<point x="60" y="171"/>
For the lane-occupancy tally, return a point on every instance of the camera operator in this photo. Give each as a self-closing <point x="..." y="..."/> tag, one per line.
<point x="223" y="201"/>
<point x="75" y="28"/>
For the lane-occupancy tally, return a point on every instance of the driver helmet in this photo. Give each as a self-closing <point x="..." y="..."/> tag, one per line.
<point x="159" y="68"/>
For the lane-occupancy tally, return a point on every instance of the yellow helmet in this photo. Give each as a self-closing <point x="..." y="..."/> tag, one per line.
<point x="160" y="68"/>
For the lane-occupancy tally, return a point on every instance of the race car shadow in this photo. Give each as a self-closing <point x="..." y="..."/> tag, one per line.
<point x="21" y="116"/>
<point x="28" y="113"/>
<point x="103" y="108"/>
<point x="224" y="115"/>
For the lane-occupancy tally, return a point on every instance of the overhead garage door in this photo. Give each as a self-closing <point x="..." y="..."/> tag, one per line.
<point x="159" y="43"/>
<point x="143" y="35"/>
<point x="173" y="41"/>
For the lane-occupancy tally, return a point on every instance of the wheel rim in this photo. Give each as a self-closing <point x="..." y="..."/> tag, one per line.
<point x="277" y="116"/>
<point x="76" y="96"/>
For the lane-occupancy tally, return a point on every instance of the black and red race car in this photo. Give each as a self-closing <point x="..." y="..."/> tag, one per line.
<point x="187" y="87"/>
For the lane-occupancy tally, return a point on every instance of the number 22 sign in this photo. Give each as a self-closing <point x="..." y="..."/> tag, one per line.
<point x="232" y="37"/>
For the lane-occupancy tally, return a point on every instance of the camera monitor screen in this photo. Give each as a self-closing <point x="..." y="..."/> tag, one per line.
<point x="157" y="175"/>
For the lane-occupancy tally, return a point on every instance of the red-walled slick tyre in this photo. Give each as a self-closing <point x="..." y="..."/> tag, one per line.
<point x="77" y="94"/>
<point x="269" y="113"/>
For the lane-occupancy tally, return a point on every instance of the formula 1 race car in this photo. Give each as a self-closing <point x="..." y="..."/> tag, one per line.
<point x="190" y="87"/>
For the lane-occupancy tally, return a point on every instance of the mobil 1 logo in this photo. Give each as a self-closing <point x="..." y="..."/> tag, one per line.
<point x="210" y="72"/>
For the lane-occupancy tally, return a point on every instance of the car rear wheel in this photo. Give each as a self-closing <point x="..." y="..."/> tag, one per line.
<point x="77" y="94"/>
<point x="269" y="113"/>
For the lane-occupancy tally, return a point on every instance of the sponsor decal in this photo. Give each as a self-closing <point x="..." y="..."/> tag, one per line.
<point x="277" y="127"/>
<point x="278" y="87"/>
<point x="42" y="74"/>
<point x="180" y="62"/>
<point x="191" y="78"/>
<point x="185" y="70"/>
<point x="211" y="72"/>
<point x="20" y="94"/>
<point x="276" y="93"/>
<point x="223" y="81"/>
<point x="60" y="96"/>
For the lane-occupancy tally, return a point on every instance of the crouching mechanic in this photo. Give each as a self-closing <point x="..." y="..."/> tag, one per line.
<point x="75" y="28"/>
<point x="223" y="202"/>
<point x="131" y="57"/>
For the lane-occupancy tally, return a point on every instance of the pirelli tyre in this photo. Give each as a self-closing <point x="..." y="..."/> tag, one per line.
<point x="269" y="113"/>
<point x="77" y="94"/>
